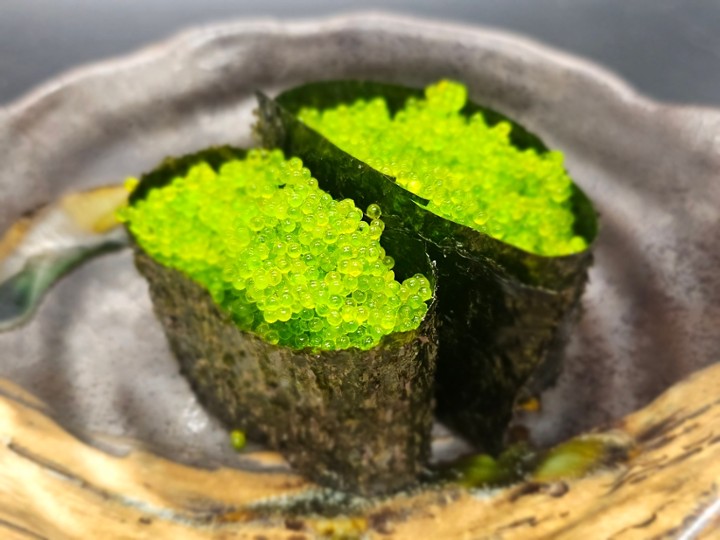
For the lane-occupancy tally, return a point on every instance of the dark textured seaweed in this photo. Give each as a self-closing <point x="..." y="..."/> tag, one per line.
<point x="503" y="313"/>
<point x="354" y="420"/>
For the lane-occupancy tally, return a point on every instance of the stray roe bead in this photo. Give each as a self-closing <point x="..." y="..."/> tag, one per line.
<point x="373" y="211"/>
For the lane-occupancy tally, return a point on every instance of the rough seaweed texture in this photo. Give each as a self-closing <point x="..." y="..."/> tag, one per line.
<point x="502" y="312"/>
<point x="354" y="420"/>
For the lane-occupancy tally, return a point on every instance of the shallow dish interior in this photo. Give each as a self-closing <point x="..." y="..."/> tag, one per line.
<point x="95" y="352"/>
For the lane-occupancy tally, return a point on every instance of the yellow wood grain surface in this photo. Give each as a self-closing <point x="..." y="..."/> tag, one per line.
<point x="54" y="486"/>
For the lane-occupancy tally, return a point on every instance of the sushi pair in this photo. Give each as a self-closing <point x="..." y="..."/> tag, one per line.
<point x="335" y="334"/>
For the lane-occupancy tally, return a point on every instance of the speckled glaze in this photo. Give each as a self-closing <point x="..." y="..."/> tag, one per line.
<point x="95" y="352"/>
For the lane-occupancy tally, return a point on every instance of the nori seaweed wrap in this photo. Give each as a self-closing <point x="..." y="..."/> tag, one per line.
<point x="352" y="419"/>
<point x="502" y="311"/>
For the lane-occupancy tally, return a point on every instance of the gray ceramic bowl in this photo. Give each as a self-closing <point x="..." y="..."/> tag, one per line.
<point x="95" y="352"/>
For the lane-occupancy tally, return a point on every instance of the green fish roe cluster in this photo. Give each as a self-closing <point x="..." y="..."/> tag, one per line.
<point x="471" y="173"/>
<point x="281" y="256"/>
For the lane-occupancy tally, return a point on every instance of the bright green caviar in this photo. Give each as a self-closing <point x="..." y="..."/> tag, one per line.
<point x="470" y="172"/>
<point x="238" y="439"/>
<point x="281" y="256"/>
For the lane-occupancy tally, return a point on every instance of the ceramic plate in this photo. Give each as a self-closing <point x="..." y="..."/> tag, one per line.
<point x="95" y="353"/>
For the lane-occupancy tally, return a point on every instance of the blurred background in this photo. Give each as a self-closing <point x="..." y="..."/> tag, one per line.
<point x="667" y="49"/>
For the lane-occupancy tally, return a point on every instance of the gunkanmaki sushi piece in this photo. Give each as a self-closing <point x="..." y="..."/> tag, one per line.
<point x="495" y="208"/>
<point x="296" y="317"/>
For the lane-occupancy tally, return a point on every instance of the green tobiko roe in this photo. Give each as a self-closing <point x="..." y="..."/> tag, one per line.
<point x="282" y="257"/>
<point x="469" y="172"/>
